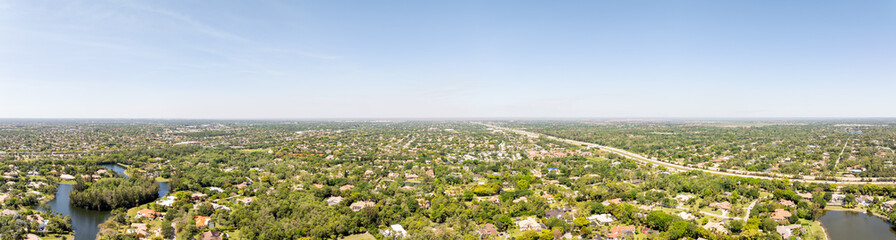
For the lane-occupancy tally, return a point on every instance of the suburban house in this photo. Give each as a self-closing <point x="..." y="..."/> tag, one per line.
<point x="394" y="231"/>
<point x="357" y="206"/>
<point x="334" y="200"/>
<point x="865" y="200"/>
<point x="548" y="198"/>
<point x="601" y="218"/>
<point x="423" y="203"/>
<point x="148" y="214"/>
<point x="556" y="213"/>
<point x="196" y="197"/>
<point x="213" y="235"/>
<point x="245" y="200"/>
<point x="168" y="201"/>
<point x="837" y="199"/>
<point x="888" y="205"/>
<point x="780" y="215"/>
<point x="203" y="221"/>
<point x="724" y="206"/>
<point x="787" y="231"/>
<point x="529" y="224"/>
<point x="686" y="216"/>
<point x="619" y="232"/>
<point x="807" y="196"/>
<point x="489" y="230"/>
<point x="716" y="227"/>
<point x="612" y="201"/>
<point x="787" y="203"/>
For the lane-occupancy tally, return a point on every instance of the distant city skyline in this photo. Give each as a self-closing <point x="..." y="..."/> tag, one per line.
<point x="452" y="59"/>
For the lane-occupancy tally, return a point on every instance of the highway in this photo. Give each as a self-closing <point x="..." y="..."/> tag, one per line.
<point x="736" y="173"/>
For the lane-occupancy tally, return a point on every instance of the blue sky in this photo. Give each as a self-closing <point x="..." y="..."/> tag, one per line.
<point x="447" y="59"/>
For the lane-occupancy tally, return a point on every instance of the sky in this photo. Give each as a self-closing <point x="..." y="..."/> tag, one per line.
<point x="447" y="59"/>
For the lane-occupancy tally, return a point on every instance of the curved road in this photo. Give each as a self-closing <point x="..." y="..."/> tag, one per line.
<point x="643" y="159"/>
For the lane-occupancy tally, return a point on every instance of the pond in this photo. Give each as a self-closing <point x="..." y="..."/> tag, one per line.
<point x="845" y="225"/>
<point x="85" y="221"/>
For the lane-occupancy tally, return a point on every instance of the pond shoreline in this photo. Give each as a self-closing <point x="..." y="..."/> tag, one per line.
<point x="851" y="217"/>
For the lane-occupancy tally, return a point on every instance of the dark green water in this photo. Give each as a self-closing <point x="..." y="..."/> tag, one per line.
<point x="85" y="221"/>
<point x="843" y="225"/>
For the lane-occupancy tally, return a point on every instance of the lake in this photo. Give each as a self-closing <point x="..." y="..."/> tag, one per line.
<point x="85" y="221"/>
<point x="845" y="225"/>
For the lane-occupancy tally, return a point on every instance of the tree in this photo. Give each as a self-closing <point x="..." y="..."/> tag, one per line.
<point x="768" y="224"/>
<point x="167" y="229"/>
<point x="659" y="220"/>
<point x="736" y="226"/>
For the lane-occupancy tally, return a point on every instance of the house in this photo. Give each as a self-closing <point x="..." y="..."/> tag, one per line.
<point x="213" y="235"/>
<point x="612" y="201"/>
<point x="724" y="206"/>
<point x="411" y="176"/>
<point x="168" y="201"/>
<point x="216" y="189"/>
<point x="529" y="224"/>
<point x="780" y="215"/>
<point x="837" y="199"/>
<point x="681" y="198"/>
<point x="686" y="216"/>
<point x="334" y="200"/>
<point x="556" y="213"/>
<point x="521" y="199"/>
<point x="865" y="200"/>
<point x="139" y="229"/>
<point x="7" y="212"/>
<point x="787" y="231"/>
<point x="66" y="177"/>
<point x="357" y="206"/>
<point x="423" y="203"/>
<point x="196" y="197"/>
<point x="601" y="218"/>
<point x="619" y="232"/>
<point x="41" y="222"/>
<point x="888" y="205"/>
<point x="807" y="196"/>
<point x="346" y="187"/>
<point x="219" y="207"/>
<point x="787" y="203"/>
<point x="488" y="230"/>
<point x="202" y="221"/>
<point x="245" y="200"/>
<point x="716" y="227"/>
<point x="394" y="231"/>
<point x="548" y="198"/>
<point x="148" y="214"/>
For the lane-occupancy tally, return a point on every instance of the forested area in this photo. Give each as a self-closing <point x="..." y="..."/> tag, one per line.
<point x="440" y="180"/>
<point x="790" y="147"/>
<point x="112" y="193"/>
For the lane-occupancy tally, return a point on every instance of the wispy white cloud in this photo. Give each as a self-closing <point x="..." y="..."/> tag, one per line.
<point x="221" y="34"/>
<point x="197" y="25"/>
<point x="300" y="53"/>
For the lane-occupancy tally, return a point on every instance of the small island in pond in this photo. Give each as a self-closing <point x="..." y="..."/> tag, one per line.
<point x="112" y="193"/>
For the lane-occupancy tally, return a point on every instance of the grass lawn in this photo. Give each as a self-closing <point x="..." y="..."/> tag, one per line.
<point x="815" y="230"/>
<point x="59" y="236"/>
<point x="361" y="236"/>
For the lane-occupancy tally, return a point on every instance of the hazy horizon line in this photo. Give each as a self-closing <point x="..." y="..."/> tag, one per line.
<point x="450" y="118"/>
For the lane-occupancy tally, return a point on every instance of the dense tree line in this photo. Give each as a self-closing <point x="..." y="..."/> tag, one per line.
<point x="112" y="193"/>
